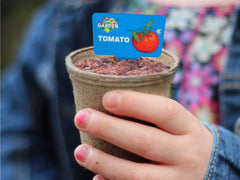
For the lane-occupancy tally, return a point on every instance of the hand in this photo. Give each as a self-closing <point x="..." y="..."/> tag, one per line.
<point x="179" y="146"/>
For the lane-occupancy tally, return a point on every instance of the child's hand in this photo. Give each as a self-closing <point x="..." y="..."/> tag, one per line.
<point x="180" y="148"/>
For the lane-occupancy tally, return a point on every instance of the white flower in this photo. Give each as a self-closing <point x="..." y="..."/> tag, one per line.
<point x="181" y="18"/>
<point x="213" y="25"/>
<point x="226" y="35"/>
<point x="204" y="114"/>
<point x="204" y="48"/>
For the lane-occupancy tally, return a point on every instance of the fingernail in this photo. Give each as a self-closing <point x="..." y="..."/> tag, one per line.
<point x="81" y="119"/>
<point x="99" y="177"/>
<point x="81" y="153"/>
<point x="102" y="178"/>
<point x="111" y="99"/>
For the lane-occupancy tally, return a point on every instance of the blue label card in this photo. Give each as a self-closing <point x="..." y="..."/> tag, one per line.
<point x="128" y="36"/>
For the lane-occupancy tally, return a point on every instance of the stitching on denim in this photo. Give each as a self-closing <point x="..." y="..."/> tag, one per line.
<point x="229" y="76"/>
<point x="215" y="154"/>
<point x="230" y="85"/>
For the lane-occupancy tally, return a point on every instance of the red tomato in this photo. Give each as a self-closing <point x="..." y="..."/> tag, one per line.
<point x="148" y="44"/>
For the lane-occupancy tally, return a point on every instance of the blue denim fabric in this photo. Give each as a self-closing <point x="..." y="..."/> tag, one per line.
<point x="38" y="136"/>
<point x="225" y="158"/>
<point x="229" y="88"/>
<point x="37" y="130"/>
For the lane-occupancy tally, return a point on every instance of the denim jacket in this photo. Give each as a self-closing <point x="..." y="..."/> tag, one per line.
<point x="38" y="136"/>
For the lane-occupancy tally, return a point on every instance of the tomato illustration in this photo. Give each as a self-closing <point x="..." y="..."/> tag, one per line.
<point x="146" y="42"/>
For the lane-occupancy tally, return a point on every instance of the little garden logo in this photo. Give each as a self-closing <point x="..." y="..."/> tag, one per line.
<point x="108" y="24"/>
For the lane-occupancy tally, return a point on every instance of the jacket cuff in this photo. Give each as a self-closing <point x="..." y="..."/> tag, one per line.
<point x="225" y="157"/>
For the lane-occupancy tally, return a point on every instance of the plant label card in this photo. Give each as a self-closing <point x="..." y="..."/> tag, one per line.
<point x="128" y="36"/>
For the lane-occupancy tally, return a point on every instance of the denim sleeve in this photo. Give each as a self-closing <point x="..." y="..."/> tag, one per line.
<point x="225" y="158"/>
<point x="229" y="87"/>
<point x="26" y="143"/>
<point x="24" y="154"/>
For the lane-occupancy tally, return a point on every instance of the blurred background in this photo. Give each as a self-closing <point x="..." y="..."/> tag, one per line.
<point x="15" y="17"/>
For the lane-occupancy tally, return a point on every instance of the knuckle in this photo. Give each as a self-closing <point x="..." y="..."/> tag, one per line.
<point x="136" y="175"/>
<point x="195" y="154"/>
<point x="144" y="143"/>
<point x="93" y="162"/>
<point x="193" y="160"/>
<point x="197" y="127"/>
<point x="97" y="125"/>
<point x="192" y="156"/>
<point x="171" y="108"/>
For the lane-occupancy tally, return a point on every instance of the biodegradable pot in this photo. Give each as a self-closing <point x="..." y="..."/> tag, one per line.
<point x="89" y="88"/>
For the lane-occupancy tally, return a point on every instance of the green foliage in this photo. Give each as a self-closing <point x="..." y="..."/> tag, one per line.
<point x="135" y="36"/>
<point x="149" y="23"/>
<point x="145" y="30"/>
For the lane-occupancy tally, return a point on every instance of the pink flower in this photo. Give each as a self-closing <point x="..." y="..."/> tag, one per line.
<point x="138" y="12"/>
<point x="101" y="22"/>
<point x="162" y="11"/>
<point x="176" y="47"/>
<point x="178" y="77"/>
<point x="223" y="11"/>
<point x="205" y="110"/>
<point x="197" y="84"/>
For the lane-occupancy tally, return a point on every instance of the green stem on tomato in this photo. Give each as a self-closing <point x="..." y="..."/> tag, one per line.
<point x="145" y="30"/>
